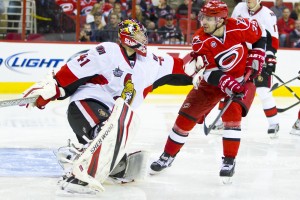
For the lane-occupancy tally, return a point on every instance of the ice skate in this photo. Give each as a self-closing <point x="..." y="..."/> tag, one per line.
<point x="227" y="170"/>
<point x="67" y="154"/>
<point x="296" y="128"/>
<point x="68" y="184"/>
<point x="164" y="161"/>
<point x="273" y="130"/>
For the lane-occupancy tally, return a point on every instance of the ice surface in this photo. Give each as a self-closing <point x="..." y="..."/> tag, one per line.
<point x="266" y="168"/>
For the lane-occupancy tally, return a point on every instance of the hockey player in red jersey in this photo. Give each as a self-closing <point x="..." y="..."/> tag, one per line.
<point x="222" y="59"/>
<point x="252" y="9"/>
<point x="94" y="81"/>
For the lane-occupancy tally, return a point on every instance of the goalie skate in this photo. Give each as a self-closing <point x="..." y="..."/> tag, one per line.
<point x="227" y="170"/>
<point x="296" y="128"/>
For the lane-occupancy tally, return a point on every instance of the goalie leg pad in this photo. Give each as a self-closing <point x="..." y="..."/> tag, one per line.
<point x="132" y="167"/>
<point x="108" y="148"/>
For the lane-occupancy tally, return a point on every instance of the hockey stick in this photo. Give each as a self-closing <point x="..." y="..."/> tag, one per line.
<point x="280" y="110"/>
<point x="275" y="86"/>
<point x="17" y="102"/>
<point x="208" y="129"/>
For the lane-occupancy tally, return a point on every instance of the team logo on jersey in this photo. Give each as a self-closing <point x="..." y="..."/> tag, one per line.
<point x="186" y="105"/>
<point x="213" y="44"/>
<point x="102" y="113"/>
<point x="260" y="78"/>
<point x="229" y="58"/>
<point x="128" y="92"/>
<point x="117" y="72"/>
<point x="100" y="49"/>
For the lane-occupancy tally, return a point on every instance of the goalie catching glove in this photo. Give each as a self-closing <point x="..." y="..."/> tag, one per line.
<point x="255" y="61"/>
<point x="46" y="91"/>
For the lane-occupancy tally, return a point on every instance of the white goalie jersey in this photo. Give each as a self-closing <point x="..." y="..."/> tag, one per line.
<point x="265" y="17"/>
<point x="105" y="73"/>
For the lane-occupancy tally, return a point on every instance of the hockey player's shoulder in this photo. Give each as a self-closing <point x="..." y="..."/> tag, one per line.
<point x="107" y="48"/>
<point x="267" y="13"/>
<point x="242" y="6"/>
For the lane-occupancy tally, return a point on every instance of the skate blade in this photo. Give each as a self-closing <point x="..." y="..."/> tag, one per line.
<point x="273" y="135"/>
<point x="66" y="192"/>
<point x="226" y="180"/>
<point x="295" y="132"/>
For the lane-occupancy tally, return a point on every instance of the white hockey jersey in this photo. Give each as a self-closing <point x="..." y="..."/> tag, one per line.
<point x="104" y="73"/>
<point x="265" y="17"/>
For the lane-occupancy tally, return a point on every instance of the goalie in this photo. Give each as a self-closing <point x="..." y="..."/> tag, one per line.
<point x="94" y="81"/>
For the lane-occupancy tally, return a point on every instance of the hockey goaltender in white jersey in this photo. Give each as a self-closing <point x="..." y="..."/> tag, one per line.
<point x="105" y="85"/>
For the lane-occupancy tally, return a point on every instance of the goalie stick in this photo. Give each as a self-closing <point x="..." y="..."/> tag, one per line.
<point x="17" y="102"/>
<point x="280" y="110"/>
<point x="208" y="129"/>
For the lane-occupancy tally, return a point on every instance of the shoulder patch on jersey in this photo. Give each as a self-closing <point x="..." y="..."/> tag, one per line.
<point x="100" y="49"/>
<point x="272" y="14"/>
<point x="196" y="40"/>
<point x="118" y="72"/>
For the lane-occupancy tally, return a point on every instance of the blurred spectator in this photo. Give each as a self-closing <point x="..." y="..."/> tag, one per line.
<point x="182" y="10"/>
<point x="141" y="3"/>
<point x="278" y="8"/>
<point x="117" y="9"/>
<point x="285" y="26"/>
<point x="295" y="14"/>
<point x="160" y="11"/>
<point x="110" y="31"/>
<point x="295" y="35"/>
<point x="86" y="34"/>
<point x="140" y="15"/>
<point x="97" y="28"/>
<point x="153" y="36"/>
<point x="97" y="23"/>
<point x="97" y="8"/>
<point x="169" y="33"/>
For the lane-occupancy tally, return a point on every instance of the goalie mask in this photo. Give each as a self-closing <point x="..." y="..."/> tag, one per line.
<point x="133" y="34"/>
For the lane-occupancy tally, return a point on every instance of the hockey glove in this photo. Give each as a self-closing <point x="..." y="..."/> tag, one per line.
<point x="255" y="62"/>
<point x="46" y="91"/>
<point x="195" y="64"/>
<point x="270" y="64"/>
<point x="230" y="86"/>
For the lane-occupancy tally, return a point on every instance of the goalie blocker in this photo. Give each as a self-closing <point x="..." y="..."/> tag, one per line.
<point x="103" y="155"/>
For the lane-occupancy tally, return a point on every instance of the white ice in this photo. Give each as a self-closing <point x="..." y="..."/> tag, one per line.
<point x="265" y="169"/>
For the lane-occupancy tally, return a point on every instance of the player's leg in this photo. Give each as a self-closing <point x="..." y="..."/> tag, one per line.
<point x="296" y="127"/>
<point x="219" y="125"/>
<point x="232" y="131"/>
<point x="263" y="84"/>
<point x="192" y="111"/>
<point x="104" y="152"/>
